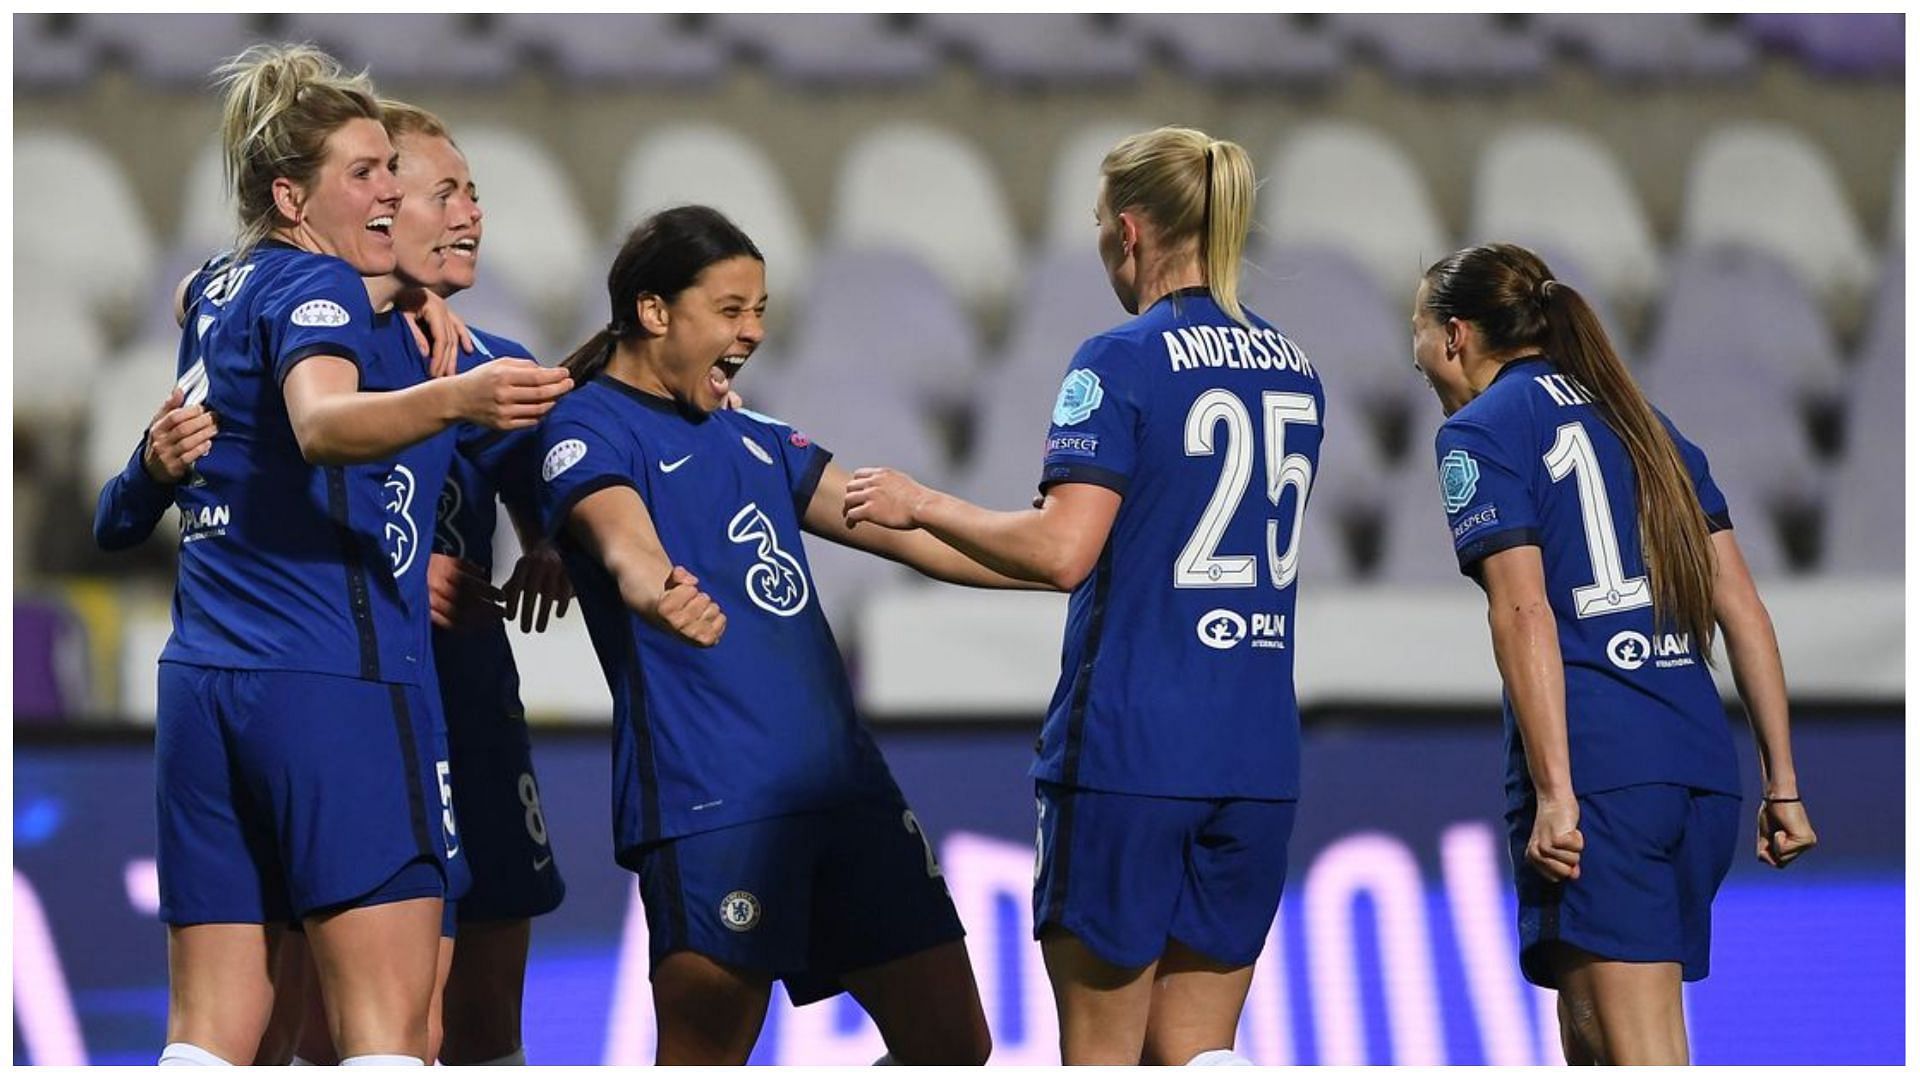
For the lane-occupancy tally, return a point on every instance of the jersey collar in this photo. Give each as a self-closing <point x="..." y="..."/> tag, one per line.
<point x="652" y="401"/>
<point x="1516" y="363"/>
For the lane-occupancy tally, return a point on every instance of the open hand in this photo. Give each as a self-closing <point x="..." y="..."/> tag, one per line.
<point x="539" y="580"/>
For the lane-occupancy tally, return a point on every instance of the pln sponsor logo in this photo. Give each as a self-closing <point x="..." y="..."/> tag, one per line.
<point x="1459" y="476"/>
<point x="1080" y="395"/>
<point x="1631" y="650"/>
<point x="203" y="522"/>
<point x="1484" y="515"/>
<point x="740" y="911"/>
<point x="1221" y="629"/>
<point x="1074" y="446"/>
<point x="320" y="313"/>
<point x="564" y="455"/>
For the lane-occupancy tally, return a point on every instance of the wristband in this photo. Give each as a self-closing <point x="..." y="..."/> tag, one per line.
<point x="1780" y="799"/>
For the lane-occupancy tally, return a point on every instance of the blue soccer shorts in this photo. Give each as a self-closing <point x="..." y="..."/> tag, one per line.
<point x="805" y="897"/>
<point x="1655" y="856"/>
<point x="286" y="794"/>
<point x="1125" y="874"/>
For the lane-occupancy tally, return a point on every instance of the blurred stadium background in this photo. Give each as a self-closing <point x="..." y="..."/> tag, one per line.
<point x="1728" y="189"/>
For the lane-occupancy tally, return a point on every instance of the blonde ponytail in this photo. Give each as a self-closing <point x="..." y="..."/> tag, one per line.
<point x="1192" y="187"/>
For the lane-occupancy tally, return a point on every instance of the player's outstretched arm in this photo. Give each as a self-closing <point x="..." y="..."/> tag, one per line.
<point x="336" y="424"/>
<point x="1526" y="647"/>
<point x="616" y="529"/>
<point x="1057" y="543"/>
<point x="916" y="548"/>
<point x="132" y="504"/>
<point x="1754" y="653"/>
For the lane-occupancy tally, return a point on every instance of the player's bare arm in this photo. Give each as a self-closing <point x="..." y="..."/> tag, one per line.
<point x="1526" y="646"/>
<point x="615" y="527"/>
<point x="1056" y="543"/>
<point x="916" y="548"/>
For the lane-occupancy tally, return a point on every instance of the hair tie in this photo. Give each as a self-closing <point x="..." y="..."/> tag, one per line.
<point x="617" y="328"/>
<point x="1206" y="208"/>
<point x="1547" y="289"/>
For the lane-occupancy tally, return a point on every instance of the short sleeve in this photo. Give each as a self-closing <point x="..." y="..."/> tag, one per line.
<point x="576" y="460"/>
<point x="1094" y="436"/>
<point x="1485" y="491"/>
<point x="319" y="309"/>
<point x="804" y="460"/>
<point x="1713" y="502"/>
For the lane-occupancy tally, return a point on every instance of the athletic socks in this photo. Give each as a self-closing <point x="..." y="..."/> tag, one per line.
<point x="1218" y="1058"/>
<point x="186" y="1054"/>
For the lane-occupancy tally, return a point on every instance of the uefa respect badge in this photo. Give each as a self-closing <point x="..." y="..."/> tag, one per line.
<point x="1459" y="475"/>
<point x="1080" y="395"/>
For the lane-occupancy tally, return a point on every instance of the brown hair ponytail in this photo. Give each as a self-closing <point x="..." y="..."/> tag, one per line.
<point x="1511" y="295"/>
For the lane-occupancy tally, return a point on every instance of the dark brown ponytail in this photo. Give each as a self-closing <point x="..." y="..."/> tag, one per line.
<point x="1511" y="295"/>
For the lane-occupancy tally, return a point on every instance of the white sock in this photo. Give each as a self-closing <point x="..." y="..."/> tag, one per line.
<point x="1222" y="1057"/>
<point x="186" y="1054"/>
<point x="515" y="1057"/>
<point x="885" y="1060"/>
<point x="381" y="1060"/>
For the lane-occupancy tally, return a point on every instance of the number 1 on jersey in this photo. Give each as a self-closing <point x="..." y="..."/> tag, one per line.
<point x="1197" y="567"/>
<point x="1611" y="590"/>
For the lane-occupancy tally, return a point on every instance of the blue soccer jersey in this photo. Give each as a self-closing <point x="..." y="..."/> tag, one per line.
<point x="490" y="464"/>
<point x="761" y="724"/>
<point x="283" y="564"/>
<point x="1531" y="462"/>
<point x="1177" y="672"/>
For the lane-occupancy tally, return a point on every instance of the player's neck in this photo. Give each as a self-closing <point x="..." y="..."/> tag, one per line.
<point x="630" y="365"/>
<point x="1156" y="282"/>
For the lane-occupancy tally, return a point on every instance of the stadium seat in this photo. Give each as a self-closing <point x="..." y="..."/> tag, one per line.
<point x="880" y="317"/>
<point x="536" y="234"/>
<point x="1075" y="183"/>
<point x="181" y="50"/>
<point x="636" y="47"/>
<point x="1766" y="185"/>
<point x="1734" y="363"/>
<point x="833" y="49"/>
<point x="411" y="48"/>
<point x="1884" y="343"/>
<point x="83" y="230"/>
<point x="1458" y="49"/>
<point x="1350" y="485"/>
<point x="1836" y="44"/>
<point x="1415" y="547"/>
<point x="717" y="166"/>
<point x="1064" y="300"/>
<point x="1553" y="185"/>
<point x="497" y="309"/>
<point x="1865" y="523"/>
<point x="1646" y="46"/>
<point x="1241" y="49"/>
<point x="1042" y="50"/>
<point x="50" y="54"/>
<point x="925" y="191"/>
<point x="58" y="348"/>
<point x="1358" y="338"/>
<point x="207" y="222"/>
<point x="1347" y="186"/>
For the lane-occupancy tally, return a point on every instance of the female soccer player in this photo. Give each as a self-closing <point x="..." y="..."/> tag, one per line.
<point x="294" y="745"/>
<point x="1165" y="804"/>
<point x="1607" y="557"/>
<point x="496" y="797"/>
<point x="768" y="835"/>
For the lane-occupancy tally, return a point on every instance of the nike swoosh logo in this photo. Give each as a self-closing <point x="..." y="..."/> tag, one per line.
<point x="541" y="864"/>
<point x="668" y="467"/>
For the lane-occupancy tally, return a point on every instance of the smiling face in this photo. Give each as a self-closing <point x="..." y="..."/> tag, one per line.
<point x="1122" y="272"/>
<point x="712" y="327"/>
<point x="436" y="234"/>
<point x="1437" y="356"/>
<point x="347" y="210"/>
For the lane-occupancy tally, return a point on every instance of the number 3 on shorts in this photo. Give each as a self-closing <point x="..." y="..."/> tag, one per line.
<point x="913" y="827"/>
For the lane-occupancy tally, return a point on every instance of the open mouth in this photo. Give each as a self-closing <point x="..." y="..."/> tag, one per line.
<point x="467" y="248"/>
<point x="720" y="376"/>
<point x="382" y="225"/>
